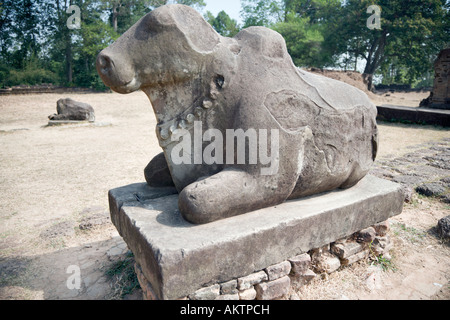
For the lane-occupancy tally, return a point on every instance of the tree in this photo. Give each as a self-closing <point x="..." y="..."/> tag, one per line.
<point x="94" y="35"/>
<point x="197" y="4"/>
<point x="411" y="32"/>
<point x="124" y="13"/>
<point x="302" y="23"/>
<point x="223" y="24"/>
<point x="303" y="40"/>
<point x="262" y="12"/>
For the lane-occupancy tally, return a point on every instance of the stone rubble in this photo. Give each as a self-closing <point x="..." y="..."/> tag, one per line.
<point x="282" y="280"/>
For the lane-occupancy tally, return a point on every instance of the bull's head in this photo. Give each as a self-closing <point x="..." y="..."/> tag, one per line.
<point x="164" y="47"/>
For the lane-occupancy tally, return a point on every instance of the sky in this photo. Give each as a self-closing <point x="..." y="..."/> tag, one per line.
<point x="231" y="7"/>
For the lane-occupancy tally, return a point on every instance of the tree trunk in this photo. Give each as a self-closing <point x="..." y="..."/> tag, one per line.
<point x="375" y="58"/>
<point x="69" y="69"/>
<point x="115" y="15"/>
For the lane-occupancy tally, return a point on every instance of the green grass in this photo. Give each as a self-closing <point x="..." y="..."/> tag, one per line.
<point x="123" y="276"/>
<point x="381" y="261"/>
<point x="411" y="234"/>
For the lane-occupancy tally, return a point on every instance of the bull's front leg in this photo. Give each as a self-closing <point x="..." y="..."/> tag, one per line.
<point x="229" y="193"/>
<point x="157" y="173"/>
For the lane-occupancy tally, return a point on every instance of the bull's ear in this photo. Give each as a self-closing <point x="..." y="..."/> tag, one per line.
<point x="199" y="33"/>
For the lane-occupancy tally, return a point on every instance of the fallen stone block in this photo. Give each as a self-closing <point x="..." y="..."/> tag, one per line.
<point x="366" y="236"/>
<point x="380" y="246"/>
<point x="326" y="263"/>
<point x="229" y="287"/>
<point x="228" y="297"/>
<point x="382" y="228"/>
<point x="274" y="289"/>
<point x="300" y="264"/>
<point x="279" y="270"/>
<point x="433" y="189"/>
<point x="299" y="280"/>
<point x="249" y="294"/>
<point x="355" y="258"/>
<point x="71" y="110"/>
<point x="249" y="281"/>
<point x="345" y="250"/>
<point x="444" y="227"/>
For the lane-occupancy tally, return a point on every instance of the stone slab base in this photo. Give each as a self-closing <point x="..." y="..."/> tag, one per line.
<point x="283" y="280"/>
<point x="415" y="115"/>
<point x="178" y="258"/>
<point x="63" y="122"/>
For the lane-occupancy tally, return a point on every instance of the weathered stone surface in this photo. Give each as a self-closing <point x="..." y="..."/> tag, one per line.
<point x="147" y="290"/>
<point x="381" y="228"/>
<point x="157" y="174"/>
<point x="249" y="294"/>
<point x="444" y="227"/>
<point x="433" y="189"/>
<point x="229" y="287"/>
<point x="278" y="270"/>
<point x="366" y="235"/>
<point x="249" y="281"/>
<point x="345" y="250"/>
<point x="299" y="280"/>
<point x="307" y="276"/>
<point x="300" y="264"/>
<point x="355" y="258"/>
<point x="409" y="179"/>
<point x="440" y="95"/>
<point x="69" y="109"/>
<point x="209" y="293"/>
<point x="234" y="296"/>
<point x="178" y="257"/>
<point x="273" y="289"/>
<point x="415" y="115"/>
<point x="193" y="76"/>
<point x="325" y="262"/>
<point x="381" y="245"/>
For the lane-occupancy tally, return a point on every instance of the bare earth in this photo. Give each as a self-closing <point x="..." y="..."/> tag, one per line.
<point x="53" y="203"/>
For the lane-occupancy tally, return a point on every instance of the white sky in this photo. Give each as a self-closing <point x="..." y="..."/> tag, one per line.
<point x="231" y="7"/>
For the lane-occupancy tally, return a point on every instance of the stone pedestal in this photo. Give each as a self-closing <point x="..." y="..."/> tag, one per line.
<point x="178" y="258"/>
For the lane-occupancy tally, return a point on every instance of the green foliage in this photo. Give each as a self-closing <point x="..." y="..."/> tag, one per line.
<point x="223" y="24"/>
<point x="36" y="45"/>
<point x="262" y="12"/>
<point x="334" y="33"/>
<point x="303" y="40"/>
<point x="33" y="72"/>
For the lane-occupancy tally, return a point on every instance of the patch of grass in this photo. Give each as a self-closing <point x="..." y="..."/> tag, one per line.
<point x="123" y="277"/>
<point x="384" y="263"/>
<point x="411" y="234"/>
<point x="379" y="260"/>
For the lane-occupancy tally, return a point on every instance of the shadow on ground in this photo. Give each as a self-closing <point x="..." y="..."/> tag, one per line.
<point x="106" y="271"/>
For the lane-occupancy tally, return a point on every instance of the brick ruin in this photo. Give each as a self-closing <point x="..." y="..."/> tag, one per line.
<point x="440" y="96"/>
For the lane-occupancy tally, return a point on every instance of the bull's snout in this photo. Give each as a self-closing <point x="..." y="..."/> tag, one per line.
<point x="116" y="72"/>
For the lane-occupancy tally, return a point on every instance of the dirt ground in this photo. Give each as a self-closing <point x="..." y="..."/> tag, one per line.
<point x="53" y="204"/>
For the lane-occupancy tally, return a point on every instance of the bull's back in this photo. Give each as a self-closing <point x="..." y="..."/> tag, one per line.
<point x="341" y="120"/>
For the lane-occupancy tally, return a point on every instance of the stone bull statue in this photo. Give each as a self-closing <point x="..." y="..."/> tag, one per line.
<point x="323" y="131"/>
